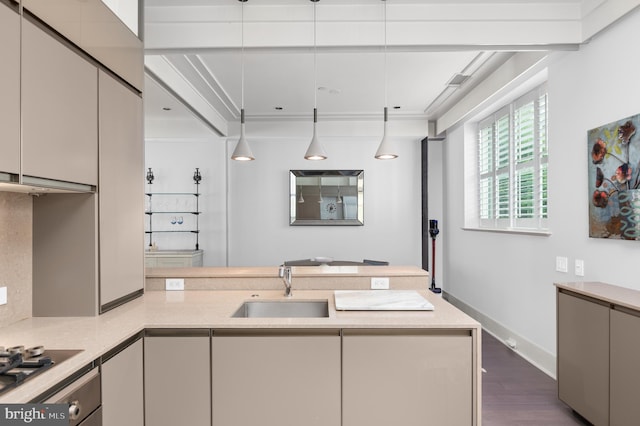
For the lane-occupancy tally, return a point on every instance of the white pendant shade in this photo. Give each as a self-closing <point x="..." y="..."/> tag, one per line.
<point x="315" y="150"/>
<point x="243" y="150"/>
<point x="385" y="149"/>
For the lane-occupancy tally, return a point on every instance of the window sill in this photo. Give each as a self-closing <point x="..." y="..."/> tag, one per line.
<point x="521" y="231"/>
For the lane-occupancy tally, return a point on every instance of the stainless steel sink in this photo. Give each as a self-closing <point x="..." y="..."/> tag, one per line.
<point x="283" y="309"/>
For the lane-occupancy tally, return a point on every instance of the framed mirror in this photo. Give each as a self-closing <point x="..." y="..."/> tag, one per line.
<point x="326" y="197"/>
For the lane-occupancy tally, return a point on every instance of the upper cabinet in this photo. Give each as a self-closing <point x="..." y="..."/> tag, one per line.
<point x="10" y="90"/>
<point x="95" y="28"/>
<point x="120" y="191"/>
<point x="59" y="110"/>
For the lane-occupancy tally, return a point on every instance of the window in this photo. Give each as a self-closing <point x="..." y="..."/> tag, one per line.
<point x="512" y="161"/>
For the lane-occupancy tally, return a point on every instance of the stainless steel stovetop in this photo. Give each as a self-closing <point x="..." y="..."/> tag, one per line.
<point x="18" y="364"/>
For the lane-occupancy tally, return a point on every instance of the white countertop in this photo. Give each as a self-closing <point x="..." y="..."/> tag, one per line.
<point x="195" y="309"/>
<point x="376" y="300"/>
<point x="298" y="271"/>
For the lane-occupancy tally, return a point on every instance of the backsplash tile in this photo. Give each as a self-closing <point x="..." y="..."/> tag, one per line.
<point x="16" y="255"/>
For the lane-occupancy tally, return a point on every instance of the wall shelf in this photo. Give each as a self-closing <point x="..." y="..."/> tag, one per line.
<point x="179" y="220"/>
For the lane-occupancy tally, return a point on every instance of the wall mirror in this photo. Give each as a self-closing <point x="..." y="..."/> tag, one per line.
<point x="326" y="197"/>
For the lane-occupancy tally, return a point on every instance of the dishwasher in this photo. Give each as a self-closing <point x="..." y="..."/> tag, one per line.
<point x="84" y="398"/>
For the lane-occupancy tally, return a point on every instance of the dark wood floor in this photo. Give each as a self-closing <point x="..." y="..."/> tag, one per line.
<point x="515" y="392"/>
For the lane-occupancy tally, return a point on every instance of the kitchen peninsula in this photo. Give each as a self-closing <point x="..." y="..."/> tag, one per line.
<point x="349" y="368"/>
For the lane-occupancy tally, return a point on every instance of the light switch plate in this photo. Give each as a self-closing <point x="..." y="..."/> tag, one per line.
<point x="579" y="268"/>
<point x="562" y="264"/>
<point x="379" y="283"/>
<point x="3" y="295"/>
<point x="174" y="284"/>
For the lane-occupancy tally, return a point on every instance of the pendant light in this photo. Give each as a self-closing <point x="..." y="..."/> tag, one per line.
<point x="385" y="149"/>
<point x="315" y="150"/>
<point x="242" y="151"/>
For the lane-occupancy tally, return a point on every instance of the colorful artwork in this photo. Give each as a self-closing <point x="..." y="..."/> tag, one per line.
<point x="614" y="180"/>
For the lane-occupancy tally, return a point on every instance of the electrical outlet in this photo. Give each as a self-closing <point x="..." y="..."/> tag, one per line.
<point x="562" y="264"/>
<point x="3" y="295"/>
<point x="378" y="283"/>
<point x="173" y="284"/>
<point x="579" y="268"/>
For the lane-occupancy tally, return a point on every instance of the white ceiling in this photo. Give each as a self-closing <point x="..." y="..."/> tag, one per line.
<point x="193" y="52"/>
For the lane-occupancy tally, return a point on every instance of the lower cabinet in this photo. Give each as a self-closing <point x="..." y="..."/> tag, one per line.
<point x="408" y="378"/>
<point x="294" y="377"/>
<point x="583" y="356"/>
<point x="176" y="377"/>
<point x="122" y="385"/>
<point x="625" y="371"/>
<point x="276" y="378"/>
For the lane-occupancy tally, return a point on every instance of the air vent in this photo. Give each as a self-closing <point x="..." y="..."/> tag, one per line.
<point x="457" y="80"/>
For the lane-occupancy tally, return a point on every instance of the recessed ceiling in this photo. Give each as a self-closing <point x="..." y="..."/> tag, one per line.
<point x="193" y="47"/>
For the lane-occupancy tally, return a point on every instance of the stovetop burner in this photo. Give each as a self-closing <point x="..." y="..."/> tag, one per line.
<point x="17" y="363"/>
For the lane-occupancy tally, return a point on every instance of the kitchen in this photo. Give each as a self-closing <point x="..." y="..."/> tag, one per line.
<point x="491" y="287"/>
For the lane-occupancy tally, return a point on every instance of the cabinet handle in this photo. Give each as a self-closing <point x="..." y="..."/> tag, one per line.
<point x="74" y="410"/>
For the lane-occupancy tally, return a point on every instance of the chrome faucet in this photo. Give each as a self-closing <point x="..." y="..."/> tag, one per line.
<point x="285" y="273"/>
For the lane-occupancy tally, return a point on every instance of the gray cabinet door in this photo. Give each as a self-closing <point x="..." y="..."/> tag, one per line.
<point x="59" y="110"/>
<point x="10" y="90"/>
<point x="122" y="388"/>
<point x="625" y="370"/>
<point x="409" y="379"/>
<point x="276" y="379"/>
<point x="177" y="380"/>
<point x="65" y="255"/>
<point x="121" y="190"/>
<point x="583" y="357"/>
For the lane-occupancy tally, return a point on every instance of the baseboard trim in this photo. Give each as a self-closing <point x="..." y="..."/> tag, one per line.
<point x="540" y="358"/>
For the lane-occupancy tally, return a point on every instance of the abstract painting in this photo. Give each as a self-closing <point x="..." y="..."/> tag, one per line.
<point x="614" y="180"/>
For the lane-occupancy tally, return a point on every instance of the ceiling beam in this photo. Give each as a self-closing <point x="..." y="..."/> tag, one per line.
<point x="421" y="25"/>
<point x="158" y="68"/>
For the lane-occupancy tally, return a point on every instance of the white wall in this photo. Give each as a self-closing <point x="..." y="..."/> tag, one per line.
<point x="247" y="203"/>
<point x="173" y="162"/>
<point x="259" y="231"/>
<point x="508" y="277"/>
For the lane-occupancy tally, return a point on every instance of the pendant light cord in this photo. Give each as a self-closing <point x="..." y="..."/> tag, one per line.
<point x="385" y="58"/>
<point x="315" y="65"/>
<point x="242" y="59"/>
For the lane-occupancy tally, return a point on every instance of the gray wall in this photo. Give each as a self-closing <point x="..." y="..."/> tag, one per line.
<point x="508" y="277"/>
